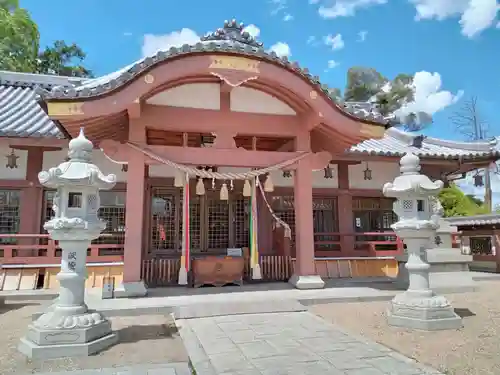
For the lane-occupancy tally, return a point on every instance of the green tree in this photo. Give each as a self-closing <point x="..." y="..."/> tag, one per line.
<point x="63" y="59"/>
<point x="19" y="38"/>
<point x="20" y="46"/>
<point x="456" y="203"/>
<point x="366" y="84"/>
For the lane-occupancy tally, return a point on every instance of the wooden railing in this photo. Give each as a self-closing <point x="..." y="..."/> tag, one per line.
<point x="30" y="249"/>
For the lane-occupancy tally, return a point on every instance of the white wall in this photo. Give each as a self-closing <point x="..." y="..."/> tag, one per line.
<point x="207" y="96"/>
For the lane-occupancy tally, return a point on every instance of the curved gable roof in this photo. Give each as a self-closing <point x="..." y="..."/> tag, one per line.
<point x="232" y="39"/>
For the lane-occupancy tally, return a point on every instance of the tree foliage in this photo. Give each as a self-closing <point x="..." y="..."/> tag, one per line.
<point x="20" y="46"/>
<point x="456" y="203"/>
<point x="368" y="85"/>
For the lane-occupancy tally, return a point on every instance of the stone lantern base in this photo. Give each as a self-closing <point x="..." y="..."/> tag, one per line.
<point x="431" y="313"/>
<point x="85" y="335"/>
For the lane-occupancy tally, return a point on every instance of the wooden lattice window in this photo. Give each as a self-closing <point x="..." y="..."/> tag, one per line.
<point x="325" y="216"/>
<point x="481" y="245"/>
<point x="284" y="208"/>
<point x="373" y="215"/>
<point x="195" y="222"/>
<point x="241" y="221"/>
<point x="165" y="207"/>
<point x="112" y="211"/>
<point x="9" y="214"/>
<point x="217" y="224"/>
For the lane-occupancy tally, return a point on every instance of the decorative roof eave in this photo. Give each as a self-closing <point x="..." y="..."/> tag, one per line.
<point x="475" y="220"/>
<point x="106" y="85"/>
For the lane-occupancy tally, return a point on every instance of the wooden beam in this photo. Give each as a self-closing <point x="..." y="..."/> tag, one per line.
<point x="207" y="121"/>
<point x="134" y="109"/>
<point x="33" y="142"/>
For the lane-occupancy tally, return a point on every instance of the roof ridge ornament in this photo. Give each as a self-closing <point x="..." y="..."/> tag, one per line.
<point x="232" y="31"/>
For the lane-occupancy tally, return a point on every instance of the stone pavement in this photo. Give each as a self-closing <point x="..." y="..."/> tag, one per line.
<point x="165" y="369"/>
<point x="295" y="343"/>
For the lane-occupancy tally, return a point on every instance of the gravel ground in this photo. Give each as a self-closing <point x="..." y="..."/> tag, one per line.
<point x="472" y="350"/>
<point x="143" y="339"/>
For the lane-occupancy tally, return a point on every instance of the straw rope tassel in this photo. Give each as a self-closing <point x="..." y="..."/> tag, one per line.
<point x="183" y="270"/>
<point x="256" y="274"/>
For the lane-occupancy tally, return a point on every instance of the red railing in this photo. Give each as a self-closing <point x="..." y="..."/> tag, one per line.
<point x="40" y="249"/>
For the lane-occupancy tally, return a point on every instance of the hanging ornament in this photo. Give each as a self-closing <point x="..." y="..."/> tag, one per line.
<point x="179" y="179"/>
<point x="124" y="167"/>
<point x="12" y="160"/>
<point x="213" y="183"/>
<point x="247" y="189"/>
<point x="200" y="187"/>
<point x="478" y="180"/>
<point x="328" y="172"/>
<point x="231" y="185"/>
<point x="287" y="174"/>
<point x="268" y="184"/>
<point x="224" y="193"/>
<point x="367" y="173"/>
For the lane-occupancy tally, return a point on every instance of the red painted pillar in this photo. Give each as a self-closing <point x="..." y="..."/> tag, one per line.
<point x="304" y="236"/>
<point x="132" y="285"/>
<point x="345" y="213"/>
<point x="305" y="276"/>
<point x="32" y="197"/>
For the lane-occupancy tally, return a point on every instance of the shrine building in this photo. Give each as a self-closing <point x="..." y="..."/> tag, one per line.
<point x="280" y="173"/>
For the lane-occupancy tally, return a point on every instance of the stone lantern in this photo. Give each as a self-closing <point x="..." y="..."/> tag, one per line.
<point x="69" y="328"/>
<point x="418" y="307"/>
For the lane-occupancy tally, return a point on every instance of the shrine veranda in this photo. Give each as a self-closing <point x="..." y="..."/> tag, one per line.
<point x="279" y="171"/>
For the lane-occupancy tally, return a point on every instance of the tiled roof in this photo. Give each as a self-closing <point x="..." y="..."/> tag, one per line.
<point x="20" y="112"/>
<point x="231" y="39"/>
<point x="476" y="220"/>
<point x="397" y="142"/>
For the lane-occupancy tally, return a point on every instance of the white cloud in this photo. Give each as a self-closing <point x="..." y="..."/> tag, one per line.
<point x="154" y="43"/>
<point x="281" y="49"/>
<point x="362" y="35"/>
<point x="336" y="42"/>
<point x="127" y="33"/>
<point x="428" y="96"/>
<point x="287" y="17"/>
<point x="332" y="64"/>
<point x="311" y="39"/>
<point x="475" y="15"/>
<point x="313" y="2"/>
<point x="252" y="30"/>
<point x="346" y="8"/>
<point x="278" y="6"/>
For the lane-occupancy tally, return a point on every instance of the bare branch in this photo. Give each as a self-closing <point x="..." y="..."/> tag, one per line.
<point x="468" y="121"/>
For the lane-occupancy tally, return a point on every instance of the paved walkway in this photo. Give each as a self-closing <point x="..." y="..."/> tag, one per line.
<point x="296" y="343"/>
<point x="166" y="369"/>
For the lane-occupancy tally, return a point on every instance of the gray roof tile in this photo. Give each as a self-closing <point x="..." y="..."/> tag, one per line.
<point x="22" y="116"/>
<point x="476" y="220"/>
<point x="231" y="39"/>
<point x="397" y="142"/>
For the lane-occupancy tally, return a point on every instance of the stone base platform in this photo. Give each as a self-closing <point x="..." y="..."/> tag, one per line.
<point x="427" y="314"/>
<point x="307" y="282"/>
<point x="131" y="289"/>
<point x="45" y="343"/>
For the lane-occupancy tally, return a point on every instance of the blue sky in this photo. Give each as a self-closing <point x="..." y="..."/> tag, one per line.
<point x="451" y="45"/>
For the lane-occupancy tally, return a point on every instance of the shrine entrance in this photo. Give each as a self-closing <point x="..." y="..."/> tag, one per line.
<point x="215" y="225"/>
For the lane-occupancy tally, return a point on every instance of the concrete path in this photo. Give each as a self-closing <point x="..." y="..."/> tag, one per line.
<point x="166" y="369"/>
<point x="295" y="343"/>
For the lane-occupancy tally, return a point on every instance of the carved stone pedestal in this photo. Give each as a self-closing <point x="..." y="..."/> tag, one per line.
<point x="52" y="336"/>
<point x="426" y="313"/>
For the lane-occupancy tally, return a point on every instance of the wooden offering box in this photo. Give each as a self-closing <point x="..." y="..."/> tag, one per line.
<point x="217" y="270"/>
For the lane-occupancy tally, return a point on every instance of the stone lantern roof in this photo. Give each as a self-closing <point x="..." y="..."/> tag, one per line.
<point x="79" y="169"/>
<point x="411" y="183"/>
